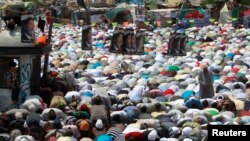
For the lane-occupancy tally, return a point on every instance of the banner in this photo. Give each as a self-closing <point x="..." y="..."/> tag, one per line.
<point x="140" y="43"/>
<point x="127" y="42"/>
<point x="117" y="42"/>
<point x="177" y="45"/>
<point x="27" y="29"/>
<point x="182" y="44"/>
<point x="129" y="45"/>
<point x="133" y="42"/>
<point x="86" y="37"/>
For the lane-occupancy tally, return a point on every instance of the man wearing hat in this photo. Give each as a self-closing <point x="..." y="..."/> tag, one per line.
<point x="206" y="82"/>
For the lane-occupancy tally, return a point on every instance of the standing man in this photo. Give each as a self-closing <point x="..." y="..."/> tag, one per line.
<point x="11" y="81"/>
<point x="206" y="82"/>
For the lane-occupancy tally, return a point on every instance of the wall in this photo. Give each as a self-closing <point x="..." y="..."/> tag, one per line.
<point x="25" y="76"/>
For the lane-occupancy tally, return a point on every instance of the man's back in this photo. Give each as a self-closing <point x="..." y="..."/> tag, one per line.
<point x="98" y="111"/>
